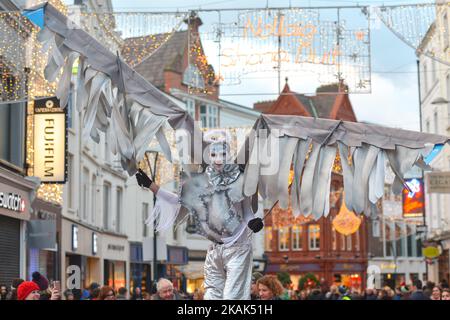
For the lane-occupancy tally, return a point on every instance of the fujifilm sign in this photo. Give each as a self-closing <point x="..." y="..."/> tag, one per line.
<point x="11" y="201"/>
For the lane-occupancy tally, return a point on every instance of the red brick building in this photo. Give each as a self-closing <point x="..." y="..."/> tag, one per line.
<point x="304" y="245"/>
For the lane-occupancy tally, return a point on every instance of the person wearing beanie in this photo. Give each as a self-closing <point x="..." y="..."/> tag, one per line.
<point x="28" y="290"/>
<point x="40" y="280"/>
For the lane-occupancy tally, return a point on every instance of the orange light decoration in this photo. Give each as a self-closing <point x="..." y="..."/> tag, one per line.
<point x="346" y="222"/>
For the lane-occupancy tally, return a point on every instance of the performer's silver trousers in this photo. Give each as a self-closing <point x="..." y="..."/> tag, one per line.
<point x="228" y="272"/>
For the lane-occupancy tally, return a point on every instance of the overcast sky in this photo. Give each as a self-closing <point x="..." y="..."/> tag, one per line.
<point x="394" y="97"/>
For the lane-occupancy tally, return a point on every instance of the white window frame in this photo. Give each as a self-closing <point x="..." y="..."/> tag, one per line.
<point x="313" y="228"/>
<point x="281" y="232"/>
<point x="268" y="238"/>
<point x="297" y="238"/>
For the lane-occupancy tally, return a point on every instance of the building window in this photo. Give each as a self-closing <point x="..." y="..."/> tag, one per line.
<point x="389" y="242"/>
<point x="334" y="239"/>
<point x="349" y="242"/>
<point x="119" y="210"/>
<point x="203" y="116"/>
<point x="190" y="107"/>
<point x="283" y="239"/>
<point x="342" y="237"/>
<point x="436" y="122"/>
<point x="297" y="235"/>
<point x="12" y="133"/>
<point x="314" y="237"/>
<point x="70" y="109"/>
<point x="192" y="77"/>
<point x="212" y="117"/>
<point x="144" y="218"/>
<point x="268" y="239"/>
<point x="94" y="198"/>
<point x="425" y="78"/>
<point x="357" y="241"/>
<point x="70" y="181"/>
<point x="86" y="206"/>
<point x="446" y="31"/>
<point x="410" y="242"/>
<point x="106" y="204"/>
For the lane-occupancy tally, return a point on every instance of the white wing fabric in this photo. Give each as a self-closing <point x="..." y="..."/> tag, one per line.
<point x="104" y="82"/>
<point x="308" y="146"/>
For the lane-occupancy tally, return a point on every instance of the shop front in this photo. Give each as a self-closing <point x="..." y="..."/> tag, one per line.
<point x="176" y="257"/>
<point x="297" y="271"/>
<point x="193" y="271"/>
<point x="116" y="257"/>
<point x="140" y="271"/>
<point x="80" y="255"/>
<point x="351" y="275"/>
<point x="43" y="233"/>
<point x="393" y="273"/>
<point x="15" y="210"/>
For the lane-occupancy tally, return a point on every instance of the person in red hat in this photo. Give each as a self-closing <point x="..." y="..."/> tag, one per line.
<point x="28" y="290"/>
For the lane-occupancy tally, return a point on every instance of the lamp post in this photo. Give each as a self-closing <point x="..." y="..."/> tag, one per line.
<point x="154" y="151"/>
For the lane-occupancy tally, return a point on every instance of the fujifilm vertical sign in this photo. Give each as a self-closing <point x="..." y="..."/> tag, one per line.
<point x="49" y="141"/>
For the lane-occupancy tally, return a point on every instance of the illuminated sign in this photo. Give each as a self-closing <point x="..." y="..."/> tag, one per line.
<point x="74" y="237"/>
<point x="12" y="202"/>
<point x="94" y="244"/>
<point x="49" y="141"/>
<point x="413" y="202"/>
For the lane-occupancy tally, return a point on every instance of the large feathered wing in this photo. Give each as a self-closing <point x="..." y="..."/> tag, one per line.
<point x="307" y="147"/>
<point x="104" y="82"/>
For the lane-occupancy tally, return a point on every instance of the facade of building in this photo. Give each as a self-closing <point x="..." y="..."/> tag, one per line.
<point x="395" y="243"/>
<point x="305" y="246"/>
<point x="435" y="115"/>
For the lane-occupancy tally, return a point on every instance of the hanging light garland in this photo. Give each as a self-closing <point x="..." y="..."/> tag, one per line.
<point x="418" y="25"/>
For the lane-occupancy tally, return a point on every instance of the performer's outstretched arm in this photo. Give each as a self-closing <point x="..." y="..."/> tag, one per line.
<point x="144" y="180"/>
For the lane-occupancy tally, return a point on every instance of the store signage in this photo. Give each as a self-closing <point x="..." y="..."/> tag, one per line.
<point x="431" y="252"/>
<point x="50" y="141"/>
<point x="438" y="182"/>
<point x="413" y="201"/>
<point x="74" y="237"/>
<point x="94" y="243"/>
<point x="12" y="202"/>
<point x="115" y="247"/>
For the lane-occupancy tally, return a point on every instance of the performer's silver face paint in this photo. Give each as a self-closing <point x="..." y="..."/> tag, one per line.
<point x="219" y="155"/>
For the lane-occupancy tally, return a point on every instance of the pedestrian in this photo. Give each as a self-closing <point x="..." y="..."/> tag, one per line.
<point x="255" y="294"/>
<point x="370" y="294"/>
<point x="122" y="294"/>
<point x="198" y="294"/>
<point x="428" y="289"/>
<point x="436" y="293"/>
<point x="12" y="295"/>
<point x="137" y="294"/>
<point x="29" y="290"/>
<point x="42" y="283"/>
<point x="445" y="294"/>
<point x="94" y="291"/>
<point x="165" y="291"/>
<point x="68" y="295"/>
<point x="107" y="293"/>
<point x="303" y="295"/>
<point x="333" y="294"/>
<point x="3" y="292"/>
<point x="417" y="291"/>
<point x="269" y="288"/>
<point x="344" y="293"/>
<point x="146" y="296"/>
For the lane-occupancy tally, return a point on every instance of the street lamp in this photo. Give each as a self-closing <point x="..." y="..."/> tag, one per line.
<point x="155" y="151"/>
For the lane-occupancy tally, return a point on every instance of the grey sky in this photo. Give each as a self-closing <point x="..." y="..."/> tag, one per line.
<point x="394" y="97"/>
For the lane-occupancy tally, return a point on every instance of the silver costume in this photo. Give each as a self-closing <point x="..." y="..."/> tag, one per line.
<point x="221" y="212"/>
